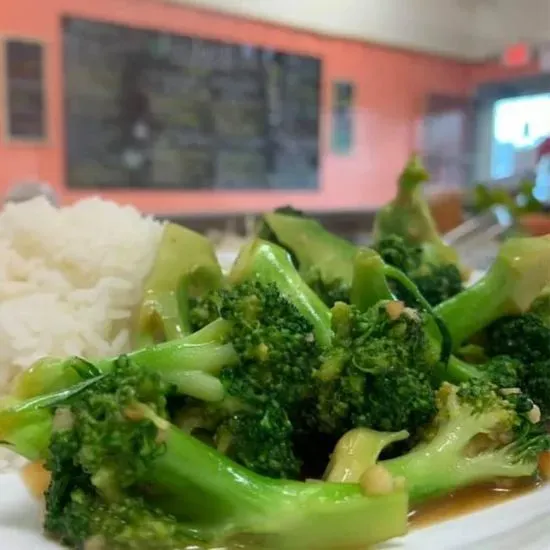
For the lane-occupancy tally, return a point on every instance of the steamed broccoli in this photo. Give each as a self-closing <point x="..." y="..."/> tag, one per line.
<point x="377" y="372"/>
<point x="517" y="276"/>
<point x="252" y="360"/>
<point x="262" y="439"/>
<point x="273" y="379"/>
<point x="276" y="349"/>
<point x="478" y="435"/>
<point x="278" y="329"/>
<point x="123" y="477"/>
<point x="524" y="337"/>
<point x="185" y="266"/>
<point x="408" y="216"/>
<point x="191" y="364"/>
<point x="436" y="282"/>
<point x="527" y="339"/>
<point x="263" y="261"/>
<point x="323" y="259"/>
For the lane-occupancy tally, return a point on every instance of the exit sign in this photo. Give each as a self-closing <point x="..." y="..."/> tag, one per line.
<point x="517" y="55"/>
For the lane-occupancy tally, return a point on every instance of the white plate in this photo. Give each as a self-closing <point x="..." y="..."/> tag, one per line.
<point x="520" y="524"/>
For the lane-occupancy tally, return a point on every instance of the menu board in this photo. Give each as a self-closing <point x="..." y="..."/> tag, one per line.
<point x="146" y="109"/>
<point x="24" y="90"/>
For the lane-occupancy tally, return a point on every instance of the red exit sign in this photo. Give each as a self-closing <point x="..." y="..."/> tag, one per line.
<point x="517" y="55"/>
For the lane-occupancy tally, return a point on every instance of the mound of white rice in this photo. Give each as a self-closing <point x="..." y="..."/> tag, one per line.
<point x="69" y="279"/>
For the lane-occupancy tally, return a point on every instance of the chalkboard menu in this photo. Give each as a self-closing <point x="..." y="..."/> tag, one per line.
<point x="146" y="109"/>
<point x="24" y="90"/>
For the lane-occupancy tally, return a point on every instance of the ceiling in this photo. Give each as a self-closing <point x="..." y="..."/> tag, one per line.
<point x="464" y="29"/>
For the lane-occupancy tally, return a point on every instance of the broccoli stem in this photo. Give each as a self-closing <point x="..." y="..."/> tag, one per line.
<point x="442" y="466"/>
<point x="26" y="433"/>
<point x="369" y="285"/>
<point x="457" y="371"/>
<point x="409" y="216"/>
<point x="26" y="426"/>
<point x="358" y="450"/>
<point x="518" y="275"/>
<point x="178" y="361"/>
<point x="186" y="264"/>
<point x="193" y="481"/>
<point x="269" y="263"/>
<point x="163" y="313"/>
<point x="317" y="252"/>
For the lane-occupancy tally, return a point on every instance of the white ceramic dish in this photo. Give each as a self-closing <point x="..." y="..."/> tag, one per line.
<point x="519" y="524"/>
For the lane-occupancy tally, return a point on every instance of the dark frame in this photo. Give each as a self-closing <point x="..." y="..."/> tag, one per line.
<point x="40" y="138"/>
<point x="168" y="187"/>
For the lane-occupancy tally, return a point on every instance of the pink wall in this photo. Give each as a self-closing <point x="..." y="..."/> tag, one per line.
<point x="391" y="87"/>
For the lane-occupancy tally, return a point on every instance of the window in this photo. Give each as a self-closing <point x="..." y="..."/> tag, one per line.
<point x="519" y="125"/>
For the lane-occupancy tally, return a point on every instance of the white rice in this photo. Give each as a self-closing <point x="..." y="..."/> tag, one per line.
<point x="69" y="280"/>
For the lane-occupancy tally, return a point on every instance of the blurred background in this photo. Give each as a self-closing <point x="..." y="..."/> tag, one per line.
<point x="209" y="111"/>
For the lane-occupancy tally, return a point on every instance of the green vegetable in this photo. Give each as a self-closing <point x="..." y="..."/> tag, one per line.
<point x="408" y="216"/>
<point x="436" y="282"/>
<point x="377" y="373"/>
<point x="191" y="364"/>
<point x="358" y="450"/>
<point x="518" y="275"/>
<point x="185" y="266"/>
<point x="263" y="261"/>
<point x="124" y="477"/>
<point x="524" y="337"/>
<point x="278" y="328"/>
<point x="267" y="389"/>
<point x="477" y="436"/>
<point x="324" y="260"/>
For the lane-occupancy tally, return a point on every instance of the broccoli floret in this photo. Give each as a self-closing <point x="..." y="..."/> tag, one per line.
<point x="503" y="371"/>
<point x="524" y="337"/>
<point x="273" y="380"/>
<point x="259" y="354"/>
<point x="261" y="440"/>
<point x="278" y="328"/>
<point x="377" y="373"/>
<point x="267" y="262"/>
<point x="402" y="255"/>
<point x="436" y="282"/>
<point x="536" y="384"/>
<point x="519" y="273"/>
<point x="171" y="489"/>
<point x="408" y="216"/>
<point x="478" y="435"/>
<point x="324" y="260"/>
<point x="276" y="346"/>
<point x="185" y="266"/>
<point x="126" y="525"/>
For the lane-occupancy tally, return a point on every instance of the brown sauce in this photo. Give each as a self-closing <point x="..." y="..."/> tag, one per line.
<point x="35" y="478"/>
<point x="466" y="501"/>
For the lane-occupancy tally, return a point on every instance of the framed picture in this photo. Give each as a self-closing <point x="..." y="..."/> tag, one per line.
<point x="24" y="93"/>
